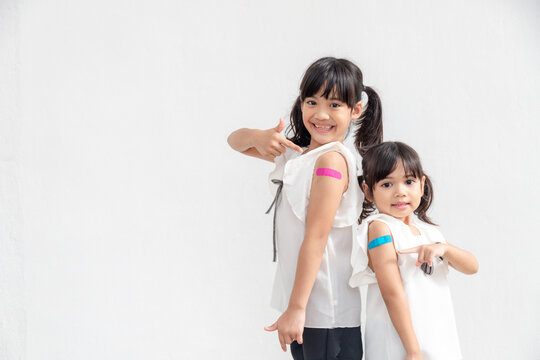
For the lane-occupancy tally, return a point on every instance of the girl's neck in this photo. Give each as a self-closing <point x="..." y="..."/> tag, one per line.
<point x="406" y="220"/>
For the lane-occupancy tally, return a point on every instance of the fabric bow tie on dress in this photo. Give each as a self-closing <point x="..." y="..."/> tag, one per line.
<point x="274" y="204"/>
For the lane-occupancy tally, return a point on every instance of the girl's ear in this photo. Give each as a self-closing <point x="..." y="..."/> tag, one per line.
<point x="367" y="192"/>
<point x="357" y="110"/>
<point x="422" y="183"/>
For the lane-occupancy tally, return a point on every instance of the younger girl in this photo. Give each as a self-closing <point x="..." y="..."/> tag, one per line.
<point x="318" y="202"/>
<point x="405" y="261"/>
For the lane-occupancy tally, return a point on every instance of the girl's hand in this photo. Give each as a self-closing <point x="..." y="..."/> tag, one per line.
<point x="426" y="253"/>
<point x="290" y="327"/>
<point x="271" y="143"/>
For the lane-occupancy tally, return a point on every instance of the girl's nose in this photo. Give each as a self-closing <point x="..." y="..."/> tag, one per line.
<point x="399" y="191"/>
<point x="322" y="115"/>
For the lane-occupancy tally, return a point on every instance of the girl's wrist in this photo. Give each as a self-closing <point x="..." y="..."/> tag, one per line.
<point x="296" y="307"/>
<point x="444" y="247"/>
<point x="413" y="348"/>
<point x="415" y="356"/>
<point x="255" y="136"/>
<point x="447" y="250"/>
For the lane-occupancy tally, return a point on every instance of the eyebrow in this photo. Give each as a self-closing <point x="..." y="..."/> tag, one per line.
<point x="319" y="97"/>
<point x="406" y="176"/>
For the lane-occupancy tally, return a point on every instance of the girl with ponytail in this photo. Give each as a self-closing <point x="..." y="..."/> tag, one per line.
<point x="404" y="261"/>
<point x="317" y="205"/>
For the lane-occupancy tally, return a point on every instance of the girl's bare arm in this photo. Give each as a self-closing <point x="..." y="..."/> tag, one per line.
<point x="263" y="144"/>
<point x="383" y="261"/>
<point x="459" y="259"/>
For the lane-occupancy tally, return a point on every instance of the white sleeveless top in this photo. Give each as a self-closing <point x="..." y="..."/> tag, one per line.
<point x="332" y="302"/>
<point x="429" y="298"/>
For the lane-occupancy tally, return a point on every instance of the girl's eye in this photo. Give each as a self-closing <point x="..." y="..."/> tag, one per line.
<point x="310" y="102"/>
<point x="335" y="105"/>
<point x="410" y="182"/>
<point x="386" y="185"/>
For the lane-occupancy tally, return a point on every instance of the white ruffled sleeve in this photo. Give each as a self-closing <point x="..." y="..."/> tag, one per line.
<point x="297" y="177"/>
<point x="277" y="173"/>
<point x="361" y="273"/>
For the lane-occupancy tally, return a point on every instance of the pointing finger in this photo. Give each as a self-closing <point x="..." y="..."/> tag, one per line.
<point x="412" y="250"/>
<point x="293" y="146"/>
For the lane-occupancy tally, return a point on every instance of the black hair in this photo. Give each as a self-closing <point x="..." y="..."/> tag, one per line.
<point x="380" y="160"/>
<point x="341" y="78"/>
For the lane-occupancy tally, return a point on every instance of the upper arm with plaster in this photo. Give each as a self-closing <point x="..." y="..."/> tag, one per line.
<point x="328" y="172"/>
<point x="381" y="252"/>
<point x="325" y="195"/>
<point x="332" y="165"/>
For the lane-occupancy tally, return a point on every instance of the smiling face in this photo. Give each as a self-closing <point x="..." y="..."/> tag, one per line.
<point x="327" y="119"/>
<point x="398" y="194"/>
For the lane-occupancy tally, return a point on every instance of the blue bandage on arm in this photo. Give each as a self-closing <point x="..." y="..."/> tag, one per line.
<point x="381" y="240"/>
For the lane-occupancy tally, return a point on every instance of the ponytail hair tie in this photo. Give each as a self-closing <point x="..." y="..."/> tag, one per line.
<point x="364" y="100"/>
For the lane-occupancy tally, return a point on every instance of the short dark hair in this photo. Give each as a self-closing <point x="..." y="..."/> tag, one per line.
<point x="380" y="160"/>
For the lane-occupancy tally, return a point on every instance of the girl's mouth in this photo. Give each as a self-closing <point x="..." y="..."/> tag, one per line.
<point x="323" y="129"/>
<point x="400" y="206"/>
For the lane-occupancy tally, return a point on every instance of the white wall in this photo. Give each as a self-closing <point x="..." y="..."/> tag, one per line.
<point x="140" y="235"/>
<point x="12" y="306"/>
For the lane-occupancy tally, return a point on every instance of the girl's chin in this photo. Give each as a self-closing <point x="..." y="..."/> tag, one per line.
<point x="325" y="138"/>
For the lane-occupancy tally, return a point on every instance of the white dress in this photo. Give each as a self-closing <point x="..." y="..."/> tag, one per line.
<point x="428" y="296"/>
<point x="332" y="302"/>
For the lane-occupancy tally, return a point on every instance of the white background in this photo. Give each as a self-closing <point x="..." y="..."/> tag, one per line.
<point x="129" y="229"/>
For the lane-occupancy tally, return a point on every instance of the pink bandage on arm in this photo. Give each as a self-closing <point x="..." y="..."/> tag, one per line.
<point x="328" y="172"/>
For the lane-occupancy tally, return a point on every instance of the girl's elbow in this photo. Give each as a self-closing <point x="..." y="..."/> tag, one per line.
<point x="393" y="296"/>
<point x="474" y="269"/>
<point x="475" y="265"/>
<point x="471" y="269"/>
<point x="230" y="140"/>
<point x="315" y="244"/>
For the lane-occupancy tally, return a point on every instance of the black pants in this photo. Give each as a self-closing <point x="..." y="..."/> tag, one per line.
<point x="329" y="344"/>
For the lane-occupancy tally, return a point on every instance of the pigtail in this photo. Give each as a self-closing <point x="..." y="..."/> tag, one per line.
<point x="368" y="207"/>
<point x="425" y="202"/>
<point x="370" y="129"/>
<point x="300" y="135"/>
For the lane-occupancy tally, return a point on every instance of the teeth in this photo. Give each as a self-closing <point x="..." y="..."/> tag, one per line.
<point x="322" y="127"/>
